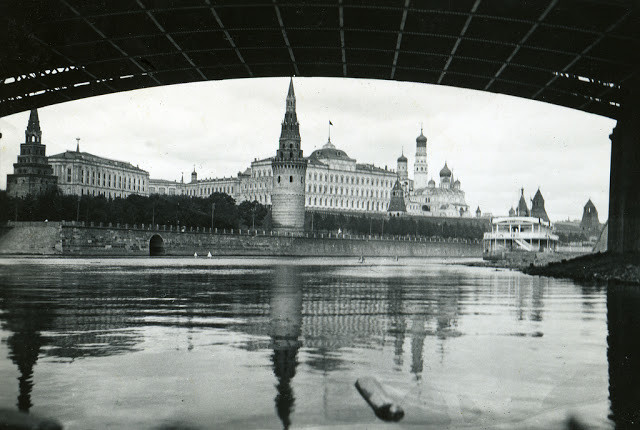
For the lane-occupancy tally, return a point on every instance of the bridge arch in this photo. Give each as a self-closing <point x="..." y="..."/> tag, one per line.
<point x="156" y="245"/>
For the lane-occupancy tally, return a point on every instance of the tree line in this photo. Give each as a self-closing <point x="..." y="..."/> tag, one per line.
<point x="219" y="210"/>
<point x="226" y="213"/>
<point x="469" y="228"/>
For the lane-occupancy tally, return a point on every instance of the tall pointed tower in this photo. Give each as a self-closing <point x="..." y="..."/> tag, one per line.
<point x="522" y="209"/>
<point x="32" y="174"/>
<point x="289" y="173"/>
<point x="537" y="207"/>
<point x="420" y="177"/>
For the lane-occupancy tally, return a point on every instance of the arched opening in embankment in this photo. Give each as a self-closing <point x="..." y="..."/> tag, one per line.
<point x="156" y="245"/>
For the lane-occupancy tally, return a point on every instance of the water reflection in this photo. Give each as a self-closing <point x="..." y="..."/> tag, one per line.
<point x="286" y="328"/>
<point x="435" y="332"/>
<point x="26" y="321"/>
<point x="623" y="317"/>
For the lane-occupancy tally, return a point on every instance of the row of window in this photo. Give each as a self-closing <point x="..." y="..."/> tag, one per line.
<point x="350" y="179"/>
<point x="107" y="194"/>
<point x="102" y="179"/>
<point x="347" y="191"/>
<point x="326" y="177"/>
<point x="30" y="150"/>
<point x="333" y="203"/>
<point x="347" y="204"/>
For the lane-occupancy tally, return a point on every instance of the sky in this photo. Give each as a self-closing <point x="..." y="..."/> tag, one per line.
<point x="495" y="144"/>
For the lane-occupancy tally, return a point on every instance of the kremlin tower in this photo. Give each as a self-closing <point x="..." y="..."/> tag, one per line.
<point x="32" y="174"/>
<point x="289" y="173"/>
<point x="420" y="166"/>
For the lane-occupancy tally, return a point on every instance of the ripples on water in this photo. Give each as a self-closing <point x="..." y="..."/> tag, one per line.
<point x="277" y="343"/>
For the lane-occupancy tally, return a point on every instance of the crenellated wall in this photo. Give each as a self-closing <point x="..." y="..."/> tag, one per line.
<point x="79" y="240"/>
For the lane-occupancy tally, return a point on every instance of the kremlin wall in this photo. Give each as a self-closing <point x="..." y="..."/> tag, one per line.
<point x="78" y="239"/>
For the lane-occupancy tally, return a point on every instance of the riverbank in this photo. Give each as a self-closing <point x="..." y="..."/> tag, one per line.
<point x="523" y="260"/>
<point x="593" y="268"/>
<point x="79" y="240"/>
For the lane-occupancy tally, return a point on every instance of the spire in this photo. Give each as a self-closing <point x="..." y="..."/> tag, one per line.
<point x="34" y="122"/>
<point x="290" y="132"/>
<point x="291" y="98"/>
<point x="33" y="134"/>
<point x="77" y="144"/>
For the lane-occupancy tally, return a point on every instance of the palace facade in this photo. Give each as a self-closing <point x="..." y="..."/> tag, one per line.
<point x="81" y="173"/>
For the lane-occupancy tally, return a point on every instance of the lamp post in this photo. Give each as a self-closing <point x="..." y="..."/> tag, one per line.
<point x="253" y="218"/>
<point x="213" y="208"/>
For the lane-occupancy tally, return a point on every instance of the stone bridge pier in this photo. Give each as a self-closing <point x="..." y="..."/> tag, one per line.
<point x="624" y="186"/>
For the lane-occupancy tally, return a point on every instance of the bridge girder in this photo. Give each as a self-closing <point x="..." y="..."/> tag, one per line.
<point x="576" y="53"/>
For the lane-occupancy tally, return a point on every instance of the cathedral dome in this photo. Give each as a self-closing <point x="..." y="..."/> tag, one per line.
<point x="432" y="183"/>
<point x="445" y="172"/>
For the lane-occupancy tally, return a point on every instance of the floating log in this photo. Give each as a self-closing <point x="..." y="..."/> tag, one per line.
<point x="376" y="396"/>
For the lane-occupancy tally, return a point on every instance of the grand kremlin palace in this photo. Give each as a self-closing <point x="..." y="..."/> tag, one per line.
<point x="336" y="182"/>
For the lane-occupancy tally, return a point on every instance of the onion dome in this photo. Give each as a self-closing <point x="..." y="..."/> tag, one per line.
<point x="421" y="140"/>
<point x="445" y="172"/>
<point x="402" y="158"/>
<point x="432" y="183"/>
<point x="456" y="184"/>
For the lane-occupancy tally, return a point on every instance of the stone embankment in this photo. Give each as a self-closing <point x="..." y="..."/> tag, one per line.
<point x="522" y="260"/>
<point x="594" y="268"/>
<point x="77" y="239"/>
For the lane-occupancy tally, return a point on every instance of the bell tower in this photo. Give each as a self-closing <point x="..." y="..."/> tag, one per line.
<point x="289" y="173"/>
<point x="420" y="176"/>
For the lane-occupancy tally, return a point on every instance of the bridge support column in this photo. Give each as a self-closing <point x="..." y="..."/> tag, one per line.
<point x="624" y="185"/>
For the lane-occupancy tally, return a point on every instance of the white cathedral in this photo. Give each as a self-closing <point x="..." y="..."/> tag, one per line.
<point x="422" y="196"/>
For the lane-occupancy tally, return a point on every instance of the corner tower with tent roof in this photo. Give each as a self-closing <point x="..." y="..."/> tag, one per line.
<point x="32" y="174"/>
<point x="289" y="172"/>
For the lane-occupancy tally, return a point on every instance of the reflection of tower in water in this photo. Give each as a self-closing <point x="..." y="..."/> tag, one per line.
<point x="395" y="302"/>
<point x="286" y="328"/>
<point x="418" y="335"/>
<point x="26" y="321"/>
<point x="623" y="354"/>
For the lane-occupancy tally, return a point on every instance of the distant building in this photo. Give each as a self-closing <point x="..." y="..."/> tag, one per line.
<point x="590" y="223"/>
<point x="537" y="207"/>
<point x="397" y="206"/>
<point x="32" y="174"/>
<point x="522" y="209"/>
<point x="444" y="200"/>
<point x="81" y="173"/>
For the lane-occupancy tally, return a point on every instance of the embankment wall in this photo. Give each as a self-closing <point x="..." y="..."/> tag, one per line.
<point x="79" y="240"/>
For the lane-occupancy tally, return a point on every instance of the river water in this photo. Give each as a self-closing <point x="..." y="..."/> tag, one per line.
<point x="279" y="343"/>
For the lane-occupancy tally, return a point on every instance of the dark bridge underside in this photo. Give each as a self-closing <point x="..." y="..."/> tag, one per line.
<point x="575" y="53"/>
